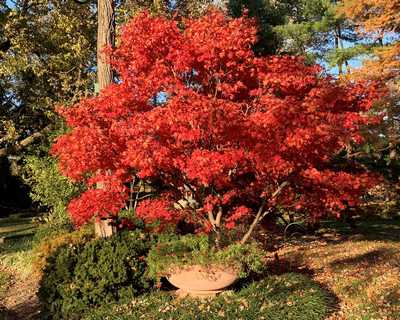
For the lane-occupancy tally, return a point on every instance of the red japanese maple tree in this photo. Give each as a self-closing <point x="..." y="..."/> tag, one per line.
<point x="230" y="136"/>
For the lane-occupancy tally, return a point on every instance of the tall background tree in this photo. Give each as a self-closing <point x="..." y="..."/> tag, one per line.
<point x="48" y="59"/>
<point x="309" y="28"/>
<point x="379" y="22"/>
<point x="48" y="62"/>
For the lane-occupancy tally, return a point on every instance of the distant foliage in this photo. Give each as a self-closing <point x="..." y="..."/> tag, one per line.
<point x="82" y="276"/>
<point x="49" y="62"/>
<point x="379" y="23"/>
<point x="51" y="191"/>
<point x="48" y="187"/>
<point x="378" y="20"/>
<point x="234" y="133"/>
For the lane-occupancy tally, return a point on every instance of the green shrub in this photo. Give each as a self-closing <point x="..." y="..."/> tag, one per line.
<point x="47" y="231"/>
<point x="80" y="277"/>
<point x="48" y="186"/>
<point x="289" y="296"/>
<point x="51" y="190"/>
<point x="50" y="243"/>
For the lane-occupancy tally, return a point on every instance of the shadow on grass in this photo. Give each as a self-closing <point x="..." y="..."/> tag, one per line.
<point x="6" y="314"/>
<point x="17" y="245"/>
<point x="7" y="222"/>
<point x="368" y="259"/>
<point x="27" y="229"/>
<point x="371" y="229"/>
<point x="280" y="267"/>
<point x="3" y="313"/>
<point x="22" y="311"/>
<point x="17" y="232"/>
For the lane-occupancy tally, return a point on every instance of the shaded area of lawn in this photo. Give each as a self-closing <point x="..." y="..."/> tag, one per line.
<point x="19" y="301"/>
<point x="361" y="266"/>
<point x="372" y="228"/>
<point x="16" y="225"/>
<point x="17" y="232"/>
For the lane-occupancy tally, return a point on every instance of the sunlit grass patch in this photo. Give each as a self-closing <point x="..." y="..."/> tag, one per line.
<point x="17" y="255"/>
<point x="16" y="250"/>
<point x="4" y="281"/>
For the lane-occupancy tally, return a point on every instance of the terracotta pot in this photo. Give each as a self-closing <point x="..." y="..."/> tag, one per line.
<point x="200" y="281"/>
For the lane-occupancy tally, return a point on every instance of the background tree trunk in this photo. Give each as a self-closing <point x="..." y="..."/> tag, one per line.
<point x="105" y="38"/>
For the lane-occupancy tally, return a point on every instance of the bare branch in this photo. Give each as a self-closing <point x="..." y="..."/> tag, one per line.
<point x="254" y="223"/>
<point x="211" y="218"/>
<point x="261" y="214"/>
<point x="218" y="218"/>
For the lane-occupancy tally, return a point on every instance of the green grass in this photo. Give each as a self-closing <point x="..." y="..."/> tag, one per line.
<point x="4" y="283"/>
<point x="288" y="296"/>
<point x="16" y="251"/>
<point x="372" y="228"/>
<point x="4" y="280"/>
<point x="17" y="254"/>
<point x="16" y="225"/>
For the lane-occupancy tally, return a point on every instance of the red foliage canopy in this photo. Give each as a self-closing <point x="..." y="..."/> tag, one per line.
<point x="197" y="111"/>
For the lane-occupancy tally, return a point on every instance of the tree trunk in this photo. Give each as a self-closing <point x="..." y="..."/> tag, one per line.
<point x="339" y="31"/>
<point x="105" y="38"/>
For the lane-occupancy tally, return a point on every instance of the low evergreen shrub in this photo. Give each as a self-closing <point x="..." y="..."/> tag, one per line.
<point x="50" y="243"/>
<point x="79" y="277"/>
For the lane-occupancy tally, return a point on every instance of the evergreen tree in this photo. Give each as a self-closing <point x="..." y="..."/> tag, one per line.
<point x="309" y="28"/>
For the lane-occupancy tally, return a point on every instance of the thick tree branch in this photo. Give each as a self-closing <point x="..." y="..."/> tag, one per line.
<point x="20" y="145"/>
<point x="218" y="218"/>
<point x="211" y="218"/>
<point x="261" y="213"/>
<point x="254" y="223"/>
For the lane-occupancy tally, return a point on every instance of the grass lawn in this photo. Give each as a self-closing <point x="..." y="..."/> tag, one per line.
<point x="287" y="296"/>
<point x="4" y="280"/>
<point x="16" y="281"/>
<point x="362" y="268"/>
<point x="359" y="269"/>
<point x="16" y="225"/>
<point x="15" y="253"/>
<point x="4" y="283"/>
